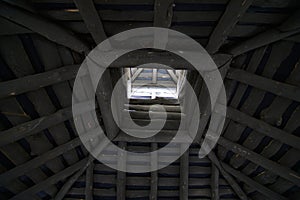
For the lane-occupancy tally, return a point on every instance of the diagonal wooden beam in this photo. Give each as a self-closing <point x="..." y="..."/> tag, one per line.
<point x="51" y="180"/>
<point x="8" y="176"/>
<point x="257" y="186"/>
<point x="260" y="160"/>
<point x="234" y="185"/>
<point x="136" y="74"/>
<point x="281" y="89"/>
<point x="93" y="22"/>
<point x="37" y="81"/>
<point x="234" y="11"/>
<point x="214" y="182"/>
<point x="290" y="27"/>
<point x="263" y="127"/>
<point x="173" y="76"/>
<point x="89" y="181"/>
<point x="66" y="187"/>
<point x="42" y="26"/>
<point x="163" y="13"/>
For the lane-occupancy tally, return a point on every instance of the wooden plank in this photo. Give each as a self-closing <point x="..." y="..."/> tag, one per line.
<point x="234" y="11"/>
<point x="21" y="169"/>
<point x="136" y="74"/>
<point x="275" y="87"/>
<point x="163" y="13"/>
<point x="174" y="109"/>
<point x="184" y="174"/>
<point x="68" y="184"/>
<point x="289" y="27"/>
<point x="154" y="176"/>
<point x="214" y="183"/>
<point x="173" y="76"/>
<point x="263" y="127"/>
<point x="260" y="160"/>
<point x="51" y="180"/>
<point x="257" y="186"/>
<point x="89" y="181"/>
<point x="235" y="186"/>
<point x="92" y="20"/>
<point x="121" y="175"/>
<point x="103" y="93"/>
<point x="37" y="81"/>
<point x="42" y="26"/>
<point x="154" y="76"/>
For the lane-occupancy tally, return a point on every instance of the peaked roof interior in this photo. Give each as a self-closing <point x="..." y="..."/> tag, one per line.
<point x="256" y="46"/>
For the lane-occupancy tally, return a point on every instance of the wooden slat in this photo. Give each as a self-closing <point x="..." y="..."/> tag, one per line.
<point x="136" y="74"/>
<point x="264" y="190"/>
<point x="121" y="175"/>
<point x="275" y="87"/>
<point x="263" y="127"/>
<point x="66" y="187"/>
<point x="260" y="160"/>
<point x="214" y="183"/>
<point x="234" y="11"/>
<point x="51" y="180"/>
<point x="89" y="181"/>
<point x="42" y="26"/>
<point x="184" y="174"/>
<point x="154" y="177"/>
<point x="290" y="27"/>
<point x="37" y="81"/>
<point x="163" y="13"/>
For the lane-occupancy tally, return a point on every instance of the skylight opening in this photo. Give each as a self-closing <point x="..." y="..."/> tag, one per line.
<point x="152" y="83"/>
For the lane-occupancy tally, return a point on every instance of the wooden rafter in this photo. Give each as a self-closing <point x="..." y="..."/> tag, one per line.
<point x="37" y="81"/>
<point x="281" y="89"/>
<point x="42" y="26"/>
<point x="214" y="182"/>
<point x="260" y="160"/>
<point x="154" y="176"/>
<point x="173" y="76"/>
<point x="51" y="180"/>
<point x="257" y="186"/>
<point x="92" y="20"/>
<point x="68" y="184"/>
<point x="121" y="175"/>
<point x="136" y="74"/>
<point x="184" y="174"/>
<point x="290" y="27"/>
<point x="89" y="181"/>
<point x="234" y="11"/>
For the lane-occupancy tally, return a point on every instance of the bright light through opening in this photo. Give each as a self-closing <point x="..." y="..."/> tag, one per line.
<point x="152" y="83"/>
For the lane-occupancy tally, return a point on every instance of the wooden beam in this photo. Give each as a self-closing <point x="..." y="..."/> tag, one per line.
<point x="35" y="126"/>
<point x="163" y="13"/>
<point x="184" y="174"/>
<point x="173" y="76"/>
<point x="37" y="81"/>
<point x="93" y="22"/>
<point x="68" y="184"/>
<point x="42" y="26"/>
<point x="136" y="74"/>
<point x="234" y="185"/>
<point x="51" y="180"/>
<point x="281" y="89"/>
<point x="154" y="76"/>
<point x="154" y="177"/>
<point x="174" y="109"/>
<point x="257" y="186"/>
<point x="8" y="176"/>
<point x="263" y="127"/>
<point x="214" y="182"/>
<point x="260" y="160"/>
<point x="89" y="181"/>
<point x="290" y="27"/>
<point x="234" y="11"/>
<point x="121" y="175"/>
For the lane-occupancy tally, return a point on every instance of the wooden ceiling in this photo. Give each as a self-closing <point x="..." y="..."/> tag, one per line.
<point x="255" y="44"/>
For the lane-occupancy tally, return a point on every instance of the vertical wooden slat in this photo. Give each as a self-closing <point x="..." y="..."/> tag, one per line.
<point x="89" y="181"/>
<point x="121" y="176"/>
<point x="184" y="174"/>
<point x="214" y="182"/>
<point x="154" y="177"/>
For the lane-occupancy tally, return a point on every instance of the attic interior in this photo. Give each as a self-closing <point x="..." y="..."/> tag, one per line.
<point x="254" y="43"/>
